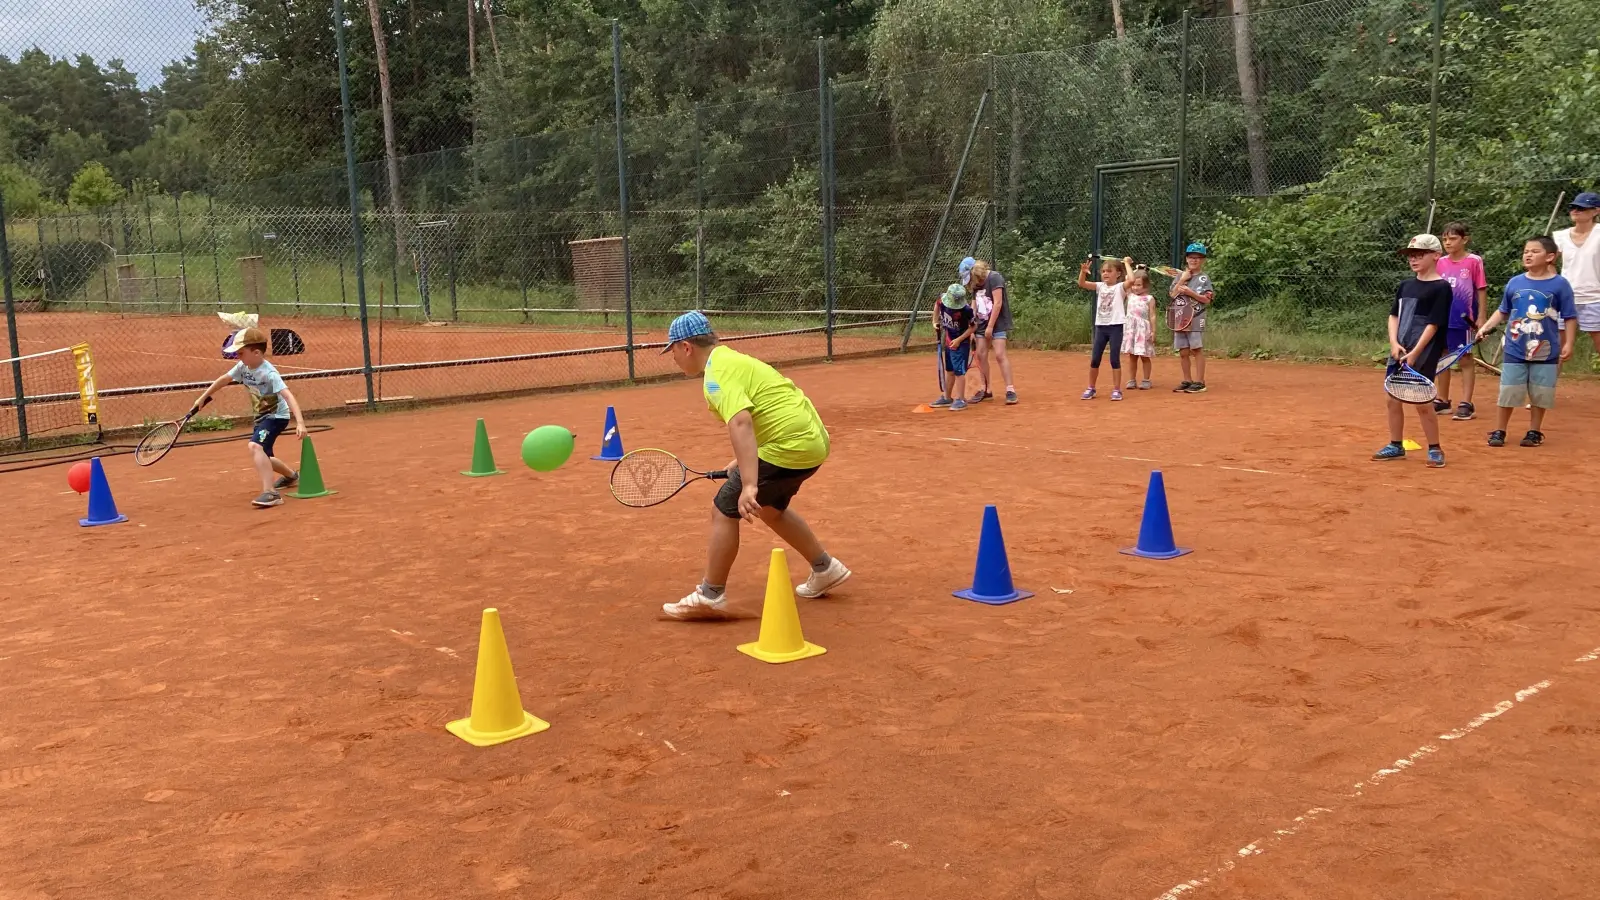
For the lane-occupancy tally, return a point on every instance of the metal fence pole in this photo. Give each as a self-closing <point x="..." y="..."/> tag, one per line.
<point x="44" y="266"/>
<point x="11" y="329"/>
<point x="355" y="195"/>
<point x="825" y="186"/>
<point x="216" y="252"/>
<point x="622" y="187"/>
<point x="699" y="209"/>
<point x="994" y="174"/>
<point x="450" y="260"/>
<point x="183" y="254"/>
<point x="1183" y="143"/>
<point x="150" y="234"/>
<point x="1433" y="95"/>
<point x="944" y="218"/>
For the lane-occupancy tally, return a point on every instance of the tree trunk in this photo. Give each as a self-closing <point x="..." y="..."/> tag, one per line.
<point x="472" y="38"/>
<point x="494" y="39"/>
<point x="1255" y="133"/>
<point x="1116" y="19"/>
<point x="1014" y="169"/>
<point x="1122" y="48"/>
<point x="387" y="102"/>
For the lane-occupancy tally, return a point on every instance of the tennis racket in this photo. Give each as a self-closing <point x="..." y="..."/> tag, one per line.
<point x="1408" y="385"/>
<point x="1456" y="355"/>
<point x="1490" y="353"/>
<point x="163" y="437"/>
<point x="648" y="477"/>
<point x="1168" y="271"/>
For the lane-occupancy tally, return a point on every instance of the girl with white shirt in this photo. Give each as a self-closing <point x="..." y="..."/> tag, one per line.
<point x="1110" y="315"/>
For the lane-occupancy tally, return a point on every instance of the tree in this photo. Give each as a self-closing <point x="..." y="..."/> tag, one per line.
<point x="1255" y="133"/>
<point x="386" y="102"/>
<point x="23" y="193"/>
<point x="94" y="188"/>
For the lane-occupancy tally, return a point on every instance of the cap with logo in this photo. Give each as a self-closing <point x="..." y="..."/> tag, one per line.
<point x="688" y="325"/>
<point x="1423" y="242"/>
<point x="1196" y="247"/>
<point x="1585" y="200"/>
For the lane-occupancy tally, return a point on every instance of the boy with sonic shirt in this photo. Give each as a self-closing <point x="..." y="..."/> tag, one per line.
<point x="779" y="442"/>
<point x="954" y="318"/>
<point x="1417" y="323"/>
<point x="1540" y="306"/>
<point x="271" y="403"/>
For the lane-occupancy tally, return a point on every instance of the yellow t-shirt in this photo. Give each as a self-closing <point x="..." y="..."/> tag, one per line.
<point x="789" y="433"/>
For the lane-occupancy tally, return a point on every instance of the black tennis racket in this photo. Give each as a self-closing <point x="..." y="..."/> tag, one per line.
<point x="163" y="437"/>
<point x="1408" y="385"/>
<point x="648" y="477"/>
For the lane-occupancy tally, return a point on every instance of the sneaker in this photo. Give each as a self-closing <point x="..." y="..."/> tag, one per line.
<point x="1441" y="406"/>
<point x="1011" y="398"/>
<point x="941" y="402"/>
<point x="979" y="397"/>
<point x="697" y="606"/>
<point x="1088" y="394"/>
<point x="1182" y="388"/>
<point x="1116" y="394"/>
<point x="267" y="498"/>
<point x="1465" y="411"/>
<point x="1144" y="385"/>
<point x="287" y="481"/>
<point x="820" y="583"/>
<point x="1196" y="387"/>
<point x="1533" y="439"/>
<point x="1390" y="451"/>
<point x="1497" y="438"/>
<point x="958" y="405"/>
<point x="1435" y="458"/>
<point x="1131" y="386"/>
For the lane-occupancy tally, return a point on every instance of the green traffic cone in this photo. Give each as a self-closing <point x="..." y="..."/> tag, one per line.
<point x="482" y="456"/>
<point x="310" y="474"/>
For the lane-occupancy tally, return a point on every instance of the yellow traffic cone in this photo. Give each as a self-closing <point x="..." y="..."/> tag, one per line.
<point x="780" y="640"/>
<point x="497" y="714"/>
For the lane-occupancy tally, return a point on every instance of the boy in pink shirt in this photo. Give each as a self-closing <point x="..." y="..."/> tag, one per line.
<point x="1469" y="290"/>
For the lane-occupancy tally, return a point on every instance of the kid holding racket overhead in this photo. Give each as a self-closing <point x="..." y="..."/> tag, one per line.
<point x="1417" y="323"/>
<point x="778" y="440"/>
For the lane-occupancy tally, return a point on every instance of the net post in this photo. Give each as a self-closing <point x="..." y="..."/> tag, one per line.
<point x="11" y="329"/>
<point x="355" y="196"/>
<point x="622" y="187"/>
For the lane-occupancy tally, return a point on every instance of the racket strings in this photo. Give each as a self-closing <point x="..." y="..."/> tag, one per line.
<point x="158" y="441"/>
<point x="644" y="479"/>
<point x="1409" y="387"/>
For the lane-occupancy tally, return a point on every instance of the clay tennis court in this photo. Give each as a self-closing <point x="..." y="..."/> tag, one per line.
<point x="141" y="351"/>
<point x="1368" y="680"/>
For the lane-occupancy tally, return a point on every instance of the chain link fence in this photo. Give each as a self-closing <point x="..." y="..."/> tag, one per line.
<point x="1301" y="144"/>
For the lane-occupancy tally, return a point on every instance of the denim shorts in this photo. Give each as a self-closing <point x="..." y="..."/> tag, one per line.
<point x="1528" y="383"/>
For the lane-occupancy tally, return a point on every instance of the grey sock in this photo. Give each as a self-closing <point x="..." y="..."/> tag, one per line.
<point x="822" y="562"/>
<point x="714" y="591"/>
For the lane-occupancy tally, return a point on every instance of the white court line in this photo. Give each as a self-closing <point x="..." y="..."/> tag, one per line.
<point x="1144" y="459"/>
<point x="159" y="480"/>
<point x="1398" y="767"/>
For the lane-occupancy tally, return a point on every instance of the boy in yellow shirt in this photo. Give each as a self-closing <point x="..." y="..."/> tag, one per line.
<point x="777" y="434"/>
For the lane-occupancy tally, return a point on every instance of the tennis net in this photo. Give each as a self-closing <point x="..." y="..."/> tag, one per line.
<point x="48" y="397"/>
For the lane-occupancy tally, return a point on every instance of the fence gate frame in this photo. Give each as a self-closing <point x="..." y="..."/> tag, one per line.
<point x="1097" y="223"/>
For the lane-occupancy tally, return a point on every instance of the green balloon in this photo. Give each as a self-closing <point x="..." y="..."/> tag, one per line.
<point x="546" y="448"/>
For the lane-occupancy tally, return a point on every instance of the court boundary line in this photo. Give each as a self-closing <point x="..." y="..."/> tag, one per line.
<point x="1400" y="766"/>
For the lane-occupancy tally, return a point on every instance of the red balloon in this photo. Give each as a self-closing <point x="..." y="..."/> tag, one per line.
<point x="78" y="478"/>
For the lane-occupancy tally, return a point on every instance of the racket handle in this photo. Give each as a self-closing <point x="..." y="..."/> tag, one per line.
<point x="718" y="475"/>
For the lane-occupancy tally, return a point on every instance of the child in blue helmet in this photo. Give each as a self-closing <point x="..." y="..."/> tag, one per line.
<point x="1192" y="286"/>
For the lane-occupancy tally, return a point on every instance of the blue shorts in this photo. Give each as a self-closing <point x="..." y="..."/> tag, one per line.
<point x="1533" y="383"/>
<point x="265" y="432"/>
<point x="1454" y="337"/>
<point x="957" y="359"/>
<point x="998" y="335"/>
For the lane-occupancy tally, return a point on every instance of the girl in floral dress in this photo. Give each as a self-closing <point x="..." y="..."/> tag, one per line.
<point x="1139" y="339"/>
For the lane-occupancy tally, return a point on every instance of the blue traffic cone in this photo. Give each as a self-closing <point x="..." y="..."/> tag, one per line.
<point x="611" y="444"/>
<point x="102" y="508"/>
<point x="991" y="583"/>
<point x="1155" y="531"/>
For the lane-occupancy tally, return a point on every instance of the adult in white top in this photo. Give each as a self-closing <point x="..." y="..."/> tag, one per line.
<point x="1580" y="261"/>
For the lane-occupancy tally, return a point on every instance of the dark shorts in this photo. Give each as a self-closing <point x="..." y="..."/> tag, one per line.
<point x="1453" y="338"/>
<point x="956" y="359"/>
<point x="775" y="487"/>
<point x="265" y="432"/>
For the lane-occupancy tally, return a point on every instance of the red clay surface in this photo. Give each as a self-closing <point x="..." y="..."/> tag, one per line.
<point x="137" y="351"/>
<point x="214" y="701"/>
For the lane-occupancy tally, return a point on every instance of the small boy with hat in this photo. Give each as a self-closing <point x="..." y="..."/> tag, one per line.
<point x="954" y="318"/>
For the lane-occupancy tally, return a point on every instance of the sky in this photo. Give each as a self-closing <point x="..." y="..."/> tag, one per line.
<point x="144" y="34"/>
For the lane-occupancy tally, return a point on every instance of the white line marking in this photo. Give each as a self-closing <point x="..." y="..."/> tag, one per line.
<point x="1398" y="767"/>
<point x="1134" y="458"/>
<point x="159" y="480"/>
<point x="1243" y="469"/>
<point x="1591" y="656"/>
<point x="881" y="431"/>
<point x="447" y="652"/>
<point x="955" y="440"/>
<point x="1073" y="452"/>
<point x="669" y="745"/>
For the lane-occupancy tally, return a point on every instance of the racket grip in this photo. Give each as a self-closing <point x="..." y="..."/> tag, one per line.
<point x="718" y="475"/>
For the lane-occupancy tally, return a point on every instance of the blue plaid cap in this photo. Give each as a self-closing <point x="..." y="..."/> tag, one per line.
<point x="688" y="325"/>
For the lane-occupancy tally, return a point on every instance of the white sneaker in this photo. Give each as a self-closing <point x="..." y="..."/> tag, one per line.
<point x="697" y="606"/>
<point x="820" y="583"/>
